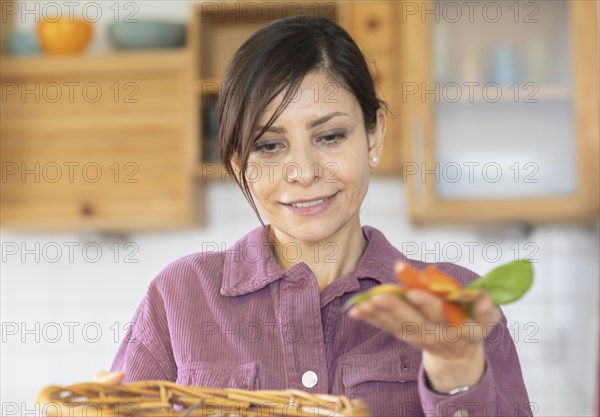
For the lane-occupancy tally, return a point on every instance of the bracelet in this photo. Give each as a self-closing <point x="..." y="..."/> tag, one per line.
<point x="454" y="391"/>
<point x="458" y="390"/>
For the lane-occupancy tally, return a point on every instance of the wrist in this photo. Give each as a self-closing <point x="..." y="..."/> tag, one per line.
<point x="451" y="376"/>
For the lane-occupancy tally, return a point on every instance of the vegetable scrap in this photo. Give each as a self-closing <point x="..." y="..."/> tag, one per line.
<point x="504" y="284"/>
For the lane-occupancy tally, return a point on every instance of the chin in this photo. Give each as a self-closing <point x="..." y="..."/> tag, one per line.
<point x="313" y="233"/>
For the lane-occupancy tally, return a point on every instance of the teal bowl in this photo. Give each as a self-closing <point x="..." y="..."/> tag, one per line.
<point x="147" y="35"/>
<point x="23" y="43"/>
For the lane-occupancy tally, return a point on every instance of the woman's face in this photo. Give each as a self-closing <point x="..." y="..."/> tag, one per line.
<point x="309" y="172"/>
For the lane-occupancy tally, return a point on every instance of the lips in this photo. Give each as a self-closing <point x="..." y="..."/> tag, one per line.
<point x="311" y="207"/>
<point x="310" y="202"/>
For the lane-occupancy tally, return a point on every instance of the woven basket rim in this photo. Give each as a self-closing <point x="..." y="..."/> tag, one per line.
<point x="168" y="399"/>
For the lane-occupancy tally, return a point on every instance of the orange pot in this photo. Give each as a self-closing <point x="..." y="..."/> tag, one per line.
<point x="65" y="36"/>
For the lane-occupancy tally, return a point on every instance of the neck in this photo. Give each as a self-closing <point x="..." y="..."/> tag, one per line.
<point x="337" y="256"/>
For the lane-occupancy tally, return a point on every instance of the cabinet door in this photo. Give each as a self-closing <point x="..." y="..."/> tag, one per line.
<point x="500" y="102"/>
<point x="373" y="26"/>
<point x="216" y="31"/>
<point x="95" y="142"/>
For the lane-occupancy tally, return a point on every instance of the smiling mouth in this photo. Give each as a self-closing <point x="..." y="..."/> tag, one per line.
<point x="311" y="203"/>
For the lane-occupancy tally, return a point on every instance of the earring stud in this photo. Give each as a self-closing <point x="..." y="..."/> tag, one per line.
<point x="375" y="159"/>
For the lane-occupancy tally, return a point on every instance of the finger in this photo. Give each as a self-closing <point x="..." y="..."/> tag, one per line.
<point x="387" y="306"/>
<point x="399" y="267"/>
<point x="109" y="378"/>
<point x="428" y="304"/>
<point x="391" y="314"/>
<point x="100" y="376"/>
<point x="366" y="310"/>
<point x="484" y="311"/>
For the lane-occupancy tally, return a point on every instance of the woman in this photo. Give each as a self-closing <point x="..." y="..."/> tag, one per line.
<point x="300" y="127"/>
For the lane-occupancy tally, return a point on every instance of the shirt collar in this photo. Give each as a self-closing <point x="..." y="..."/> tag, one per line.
<point x="250" y="265"/>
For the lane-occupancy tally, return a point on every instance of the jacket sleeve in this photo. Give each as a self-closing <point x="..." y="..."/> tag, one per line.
<point x="145" y="353"/>
<point x="500" y="392"/>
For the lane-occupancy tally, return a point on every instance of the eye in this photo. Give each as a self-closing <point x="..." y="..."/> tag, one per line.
<point x="268" y="147"/>
<point x="332" y="139"/>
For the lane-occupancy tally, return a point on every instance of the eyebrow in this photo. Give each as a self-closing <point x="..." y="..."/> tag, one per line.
<point x="309" y="125"/>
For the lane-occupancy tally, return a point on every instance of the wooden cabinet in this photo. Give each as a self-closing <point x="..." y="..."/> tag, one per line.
<point x="499" y="111"/>
<point x="373" y="25"/>
<point x="127" y="141"/>
<point x="218" y="29"/>
<point x="96" y="142"/>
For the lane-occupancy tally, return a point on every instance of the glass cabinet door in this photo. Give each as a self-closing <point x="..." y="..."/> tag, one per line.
<point x="504" y="118"/>
<point x="498" y="124"/>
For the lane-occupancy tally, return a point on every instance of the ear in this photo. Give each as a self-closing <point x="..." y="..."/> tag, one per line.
<point x="376" y="139"/>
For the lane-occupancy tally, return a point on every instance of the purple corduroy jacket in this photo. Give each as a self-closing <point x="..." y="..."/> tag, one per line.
<point x="236" y="319"/>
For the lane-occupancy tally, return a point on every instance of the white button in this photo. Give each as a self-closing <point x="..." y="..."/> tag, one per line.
<point x="461" y="413"/>
<point x="309" y="379"/>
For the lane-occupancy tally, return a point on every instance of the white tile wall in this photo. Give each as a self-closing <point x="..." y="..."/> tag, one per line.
<point x="555" y="326"/>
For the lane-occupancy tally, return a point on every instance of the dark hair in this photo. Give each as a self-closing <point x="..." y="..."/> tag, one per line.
<point x="276" y="59"/>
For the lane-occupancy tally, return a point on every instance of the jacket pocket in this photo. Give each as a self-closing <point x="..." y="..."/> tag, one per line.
<point x="387" y="383"/>
<point x="206" y="374"/>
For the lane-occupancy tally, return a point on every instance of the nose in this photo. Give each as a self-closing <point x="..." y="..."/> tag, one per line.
<point x="304" y="168"/>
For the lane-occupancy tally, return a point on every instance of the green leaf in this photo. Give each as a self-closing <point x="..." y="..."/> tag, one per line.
<point x="358" y="298"/>
<point x="506" y="283"/>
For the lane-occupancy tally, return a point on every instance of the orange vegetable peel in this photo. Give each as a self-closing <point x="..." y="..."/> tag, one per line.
<point x="457" y="301"/>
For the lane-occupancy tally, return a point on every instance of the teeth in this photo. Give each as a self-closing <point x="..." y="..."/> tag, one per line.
<point x="309" y="203"/>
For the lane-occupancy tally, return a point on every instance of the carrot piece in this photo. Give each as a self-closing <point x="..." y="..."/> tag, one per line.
<point x="454" y="313"/>
<point x="408" y="276"/>
<point x="430" y="275"/>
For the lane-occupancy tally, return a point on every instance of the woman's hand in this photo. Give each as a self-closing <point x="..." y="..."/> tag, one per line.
<point x="452" y="355"/>
<point x="109" y="378"/>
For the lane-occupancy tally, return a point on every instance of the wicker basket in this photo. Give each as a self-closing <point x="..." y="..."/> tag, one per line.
<point x="166" y="399"/>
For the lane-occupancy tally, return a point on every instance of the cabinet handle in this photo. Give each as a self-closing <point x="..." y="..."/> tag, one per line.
<point x="86" y="210"/>
<point x="418" y="154"/>
<point x="373" y="24"/>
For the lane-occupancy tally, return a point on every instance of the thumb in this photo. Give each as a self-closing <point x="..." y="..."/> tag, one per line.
<point x="485" y="312"/>
<point x="109" y="378"/>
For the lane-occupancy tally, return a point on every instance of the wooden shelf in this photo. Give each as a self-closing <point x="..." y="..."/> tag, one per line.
<point x="94" y="63"/>
<point x="479" y="211"/>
